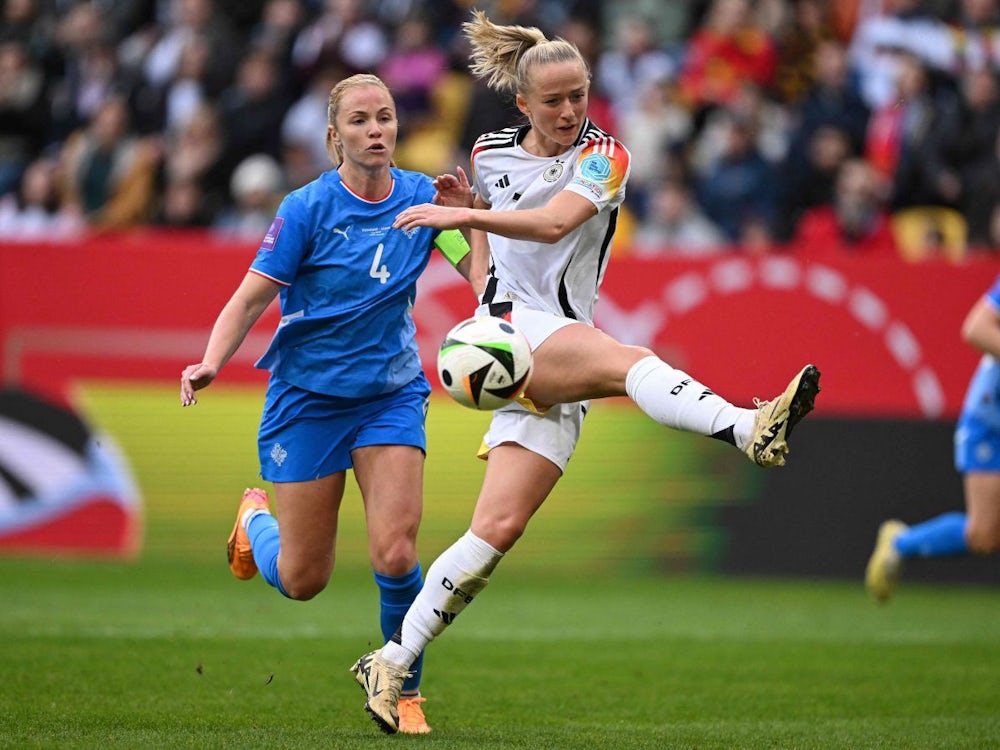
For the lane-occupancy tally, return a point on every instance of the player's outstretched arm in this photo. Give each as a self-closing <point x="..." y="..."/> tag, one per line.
<point x="547" y="224"/>
<point x="234" y="322"/>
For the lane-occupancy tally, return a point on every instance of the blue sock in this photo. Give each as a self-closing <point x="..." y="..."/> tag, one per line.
<point x="941" y="536"/>
<point x="264" y="541"/>
<point x="396" y="594"/>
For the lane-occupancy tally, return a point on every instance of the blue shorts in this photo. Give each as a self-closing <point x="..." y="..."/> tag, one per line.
<point x="305" y="435"/>
<point x="977" y="436"/>
<point x="977" y="447"/>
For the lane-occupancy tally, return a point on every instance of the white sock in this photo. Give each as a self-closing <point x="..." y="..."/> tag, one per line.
<point x="675" y="399"/>
<point x="451" y="583"/>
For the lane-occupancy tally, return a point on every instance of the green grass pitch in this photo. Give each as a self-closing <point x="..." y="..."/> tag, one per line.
<point x="581" y="640"/>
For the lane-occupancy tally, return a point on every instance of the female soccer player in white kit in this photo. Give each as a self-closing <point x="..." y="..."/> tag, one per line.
<point x="547" y="199"/>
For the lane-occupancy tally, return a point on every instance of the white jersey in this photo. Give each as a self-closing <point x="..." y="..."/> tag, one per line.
<point x="561" y="278"/>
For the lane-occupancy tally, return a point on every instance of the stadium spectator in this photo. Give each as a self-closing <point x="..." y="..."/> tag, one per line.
<point x="303" y="129"/>
<point x="904" y="140"/>
<point x="800" y="34"/>
<point x="342" y="34"/>
<point x="108" y="173"/>
<point x="195" y="154"/>
<point x="726" y="50"/>
<point x="183" y="203"/>
<point x="977" y="459"/>
<point x="831" y="100"/>
<point x="24" y="112"/>
<point x="970" y="147"/>
<point x="167" y="106"/>
<point x="276" y="29"/>
<point x="740" y="188"/>
<point x="657" y="127"/>
<point x="255" y="189"/>
<point x="668" y="22"/>
<point x="91" y="73"/>
<point x="675" y="225"/>
<point x="27" y="22"/>
<point x="881" y="40"/>
<point x="253" y="108"/>
<point x="416" y="70"/>
<point x="633" y="66"/>
<point x="186" y="19"/>
<point x="346" y="387"/>
<point x="810" y="181"/>
<point x="966" y="40"/>
<point x="982" y="204"/>
<point x="767" y="119"/>
<point x="564" y="211"/>
<point x="34" y="210"/>
<point x="412" y="69"/>
<point x="855" y="224"/>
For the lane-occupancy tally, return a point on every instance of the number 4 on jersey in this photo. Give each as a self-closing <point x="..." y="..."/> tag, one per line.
<point x="379" y="273"/>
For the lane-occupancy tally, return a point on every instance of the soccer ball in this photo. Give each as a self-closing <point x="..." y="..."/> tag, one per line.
<point x="484" y="363"/>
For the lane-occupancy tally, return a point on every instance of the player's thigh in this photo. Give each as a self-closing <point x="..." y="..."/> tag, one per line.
<point x="307" y="513"/>
<point x="390" y="478"/>
<point x="579" y="362"/>
<point x="982" y="502"/>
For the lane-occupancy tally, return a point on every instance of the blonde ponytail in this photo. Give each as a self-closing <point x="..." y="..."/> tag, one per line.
<point x="504" y="55"/>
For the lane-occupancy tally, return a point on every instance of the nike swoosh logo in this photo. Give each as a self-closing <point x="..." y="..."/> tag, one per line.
<point x="768" y="437"/>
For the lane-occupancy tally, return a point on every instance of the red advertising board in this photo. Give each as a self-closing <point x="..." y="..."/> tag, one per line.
<point x="885" y="334"/>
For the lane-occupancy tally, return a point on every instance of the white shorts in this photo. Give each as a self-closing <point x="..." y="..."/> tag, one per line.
<point x="534" y="324"/>
<point x="552" y="434"/>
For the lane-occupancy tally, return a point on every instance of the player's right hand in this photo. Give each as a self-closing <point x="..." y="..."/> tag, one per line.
<point x="194" y="378"/>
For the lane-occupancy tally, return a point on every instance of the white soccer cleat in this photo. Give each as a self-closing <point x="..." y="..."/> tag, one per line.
<point x="382" y="682"/>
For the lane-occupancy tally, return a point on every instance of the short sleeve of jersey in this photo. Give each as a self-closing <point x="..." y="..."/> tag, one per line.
<point x="993" y="295"/>
<point x="602" y="169"/>
<point x="478" y="188"/>
<point x="285" y="243"/>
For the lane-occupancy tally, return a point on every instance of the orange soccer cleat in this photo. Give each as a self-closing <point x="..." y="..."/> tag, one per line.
<point x="241" y="561"/>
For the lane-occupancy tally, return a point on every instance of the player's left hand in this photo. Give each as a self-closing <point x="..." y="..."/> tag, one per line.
<point x="453" y="190"/>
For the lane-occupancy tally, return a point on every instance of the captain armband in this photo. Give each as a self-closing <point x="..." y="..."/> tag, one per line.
<point x="452" y="245"/>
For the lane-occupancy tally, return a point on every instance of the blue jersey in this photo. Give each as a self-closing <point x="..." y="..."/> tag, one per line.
<point x="348" y="283"/>
<point x="977" y="436"/>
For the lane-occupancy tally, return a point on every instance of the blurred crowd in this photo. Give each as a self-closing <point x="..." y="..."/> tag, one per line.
<point x="864" y="127"/>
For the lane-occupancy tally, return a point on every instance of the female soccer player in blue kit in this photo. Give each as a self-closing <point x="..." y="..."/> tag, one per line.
<point x="977" y="458"/>
<point x="546" y="201"/>
<point x="346" y="387"/>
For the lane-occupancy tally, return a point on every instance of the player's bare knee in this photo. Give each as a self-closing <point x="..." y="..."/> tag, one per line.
<point x="395" y="559"/>
<point x="501" y="533"/>
<point x="621" y="366"/>
<point x="303" y="583"/>
<point x="303" y="591"/>
<point x="640" y="352"/>
<point x="982" y="541"/>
